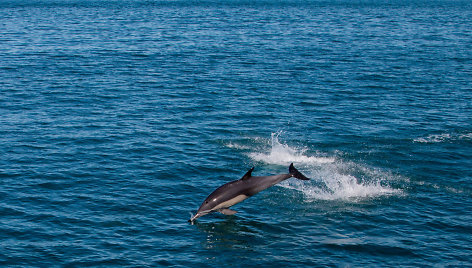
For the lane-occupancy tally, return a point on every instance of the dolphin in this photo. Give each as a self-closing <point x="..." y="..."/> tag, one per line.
<point x="236" y="191"/>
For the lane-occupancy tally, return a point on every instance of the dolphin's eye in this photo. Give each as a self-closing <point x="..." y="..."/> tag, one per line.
<point x="206" y="202"/>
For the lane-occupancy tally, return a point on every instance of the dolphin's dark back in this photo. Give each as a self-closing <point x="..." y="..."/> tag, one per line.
<point x="228" y="190"/>
<point x="258" y="183"/>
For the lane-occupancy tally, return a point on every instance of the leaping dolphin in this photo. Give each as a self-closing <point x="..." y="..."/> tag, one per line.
<point x="236" y="191"/>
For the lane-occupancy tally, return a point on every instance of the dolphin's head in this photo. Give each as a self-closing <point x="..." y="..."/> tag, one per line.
<point x="207" y="207"/>
<point x="196" y="216"/>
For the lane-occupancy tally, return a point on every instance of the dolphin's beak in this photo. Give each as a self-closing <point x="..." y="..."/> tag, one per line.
<point x="198" y="215"/>
<point x="194" y="217"/>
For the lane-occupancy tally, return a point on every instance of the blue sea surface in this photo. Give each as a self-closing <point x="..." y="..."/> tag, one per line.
<point x="118" y="118"/>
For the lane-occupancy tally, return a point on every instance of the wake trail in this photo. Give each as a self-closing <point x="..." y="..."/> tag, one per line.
<point x="332" y="177"/>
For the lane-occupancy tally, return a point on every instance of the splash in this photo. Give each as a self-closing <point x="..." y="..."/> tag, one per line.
<point x="282" y="154"/>
<point x="331" y="184"/>
<point x="332" y="178"/>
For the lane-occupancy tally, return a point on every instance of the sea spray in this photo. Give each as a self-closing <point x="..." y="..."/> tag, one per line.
<point x="283" y="154"/>
<point x="332" y="178"/>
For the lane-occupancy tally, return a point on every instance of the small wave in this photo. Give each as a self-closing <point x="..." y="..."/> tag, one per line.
<point x="435" y="138"/>
<point x="332" y="179"/>
<point x="467" y="136"/>
<point x="444" y="137"/>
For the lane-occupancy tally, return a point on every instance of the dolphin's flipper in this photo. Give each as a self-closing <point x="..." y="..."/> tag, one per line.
<point x="248" y="174"/>
<point x="295" y="173"/>
<point x="227" y="211"/>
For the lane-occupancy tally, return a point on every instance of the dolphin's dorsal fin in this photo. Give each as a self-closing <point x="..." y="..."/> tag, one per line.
<point x="248" y="174"/>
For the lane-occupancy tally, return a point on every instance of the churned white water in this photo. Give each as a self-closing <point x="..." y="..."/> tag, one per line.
<point x="331" y="178"/>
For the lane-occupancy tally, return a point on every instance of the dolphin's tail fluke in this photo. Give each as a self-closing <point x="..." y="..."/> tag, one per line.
<point x="295" y="173"/>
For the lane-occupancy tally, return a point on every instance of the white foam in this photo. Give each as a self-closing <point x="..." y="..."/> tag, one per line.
<point x="340" y="187"/>
<point x="332" y="179"/>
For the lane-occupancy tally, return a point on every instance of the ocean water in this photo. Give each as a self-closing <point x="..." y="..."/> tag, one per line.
<point x="118" y="118"/>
